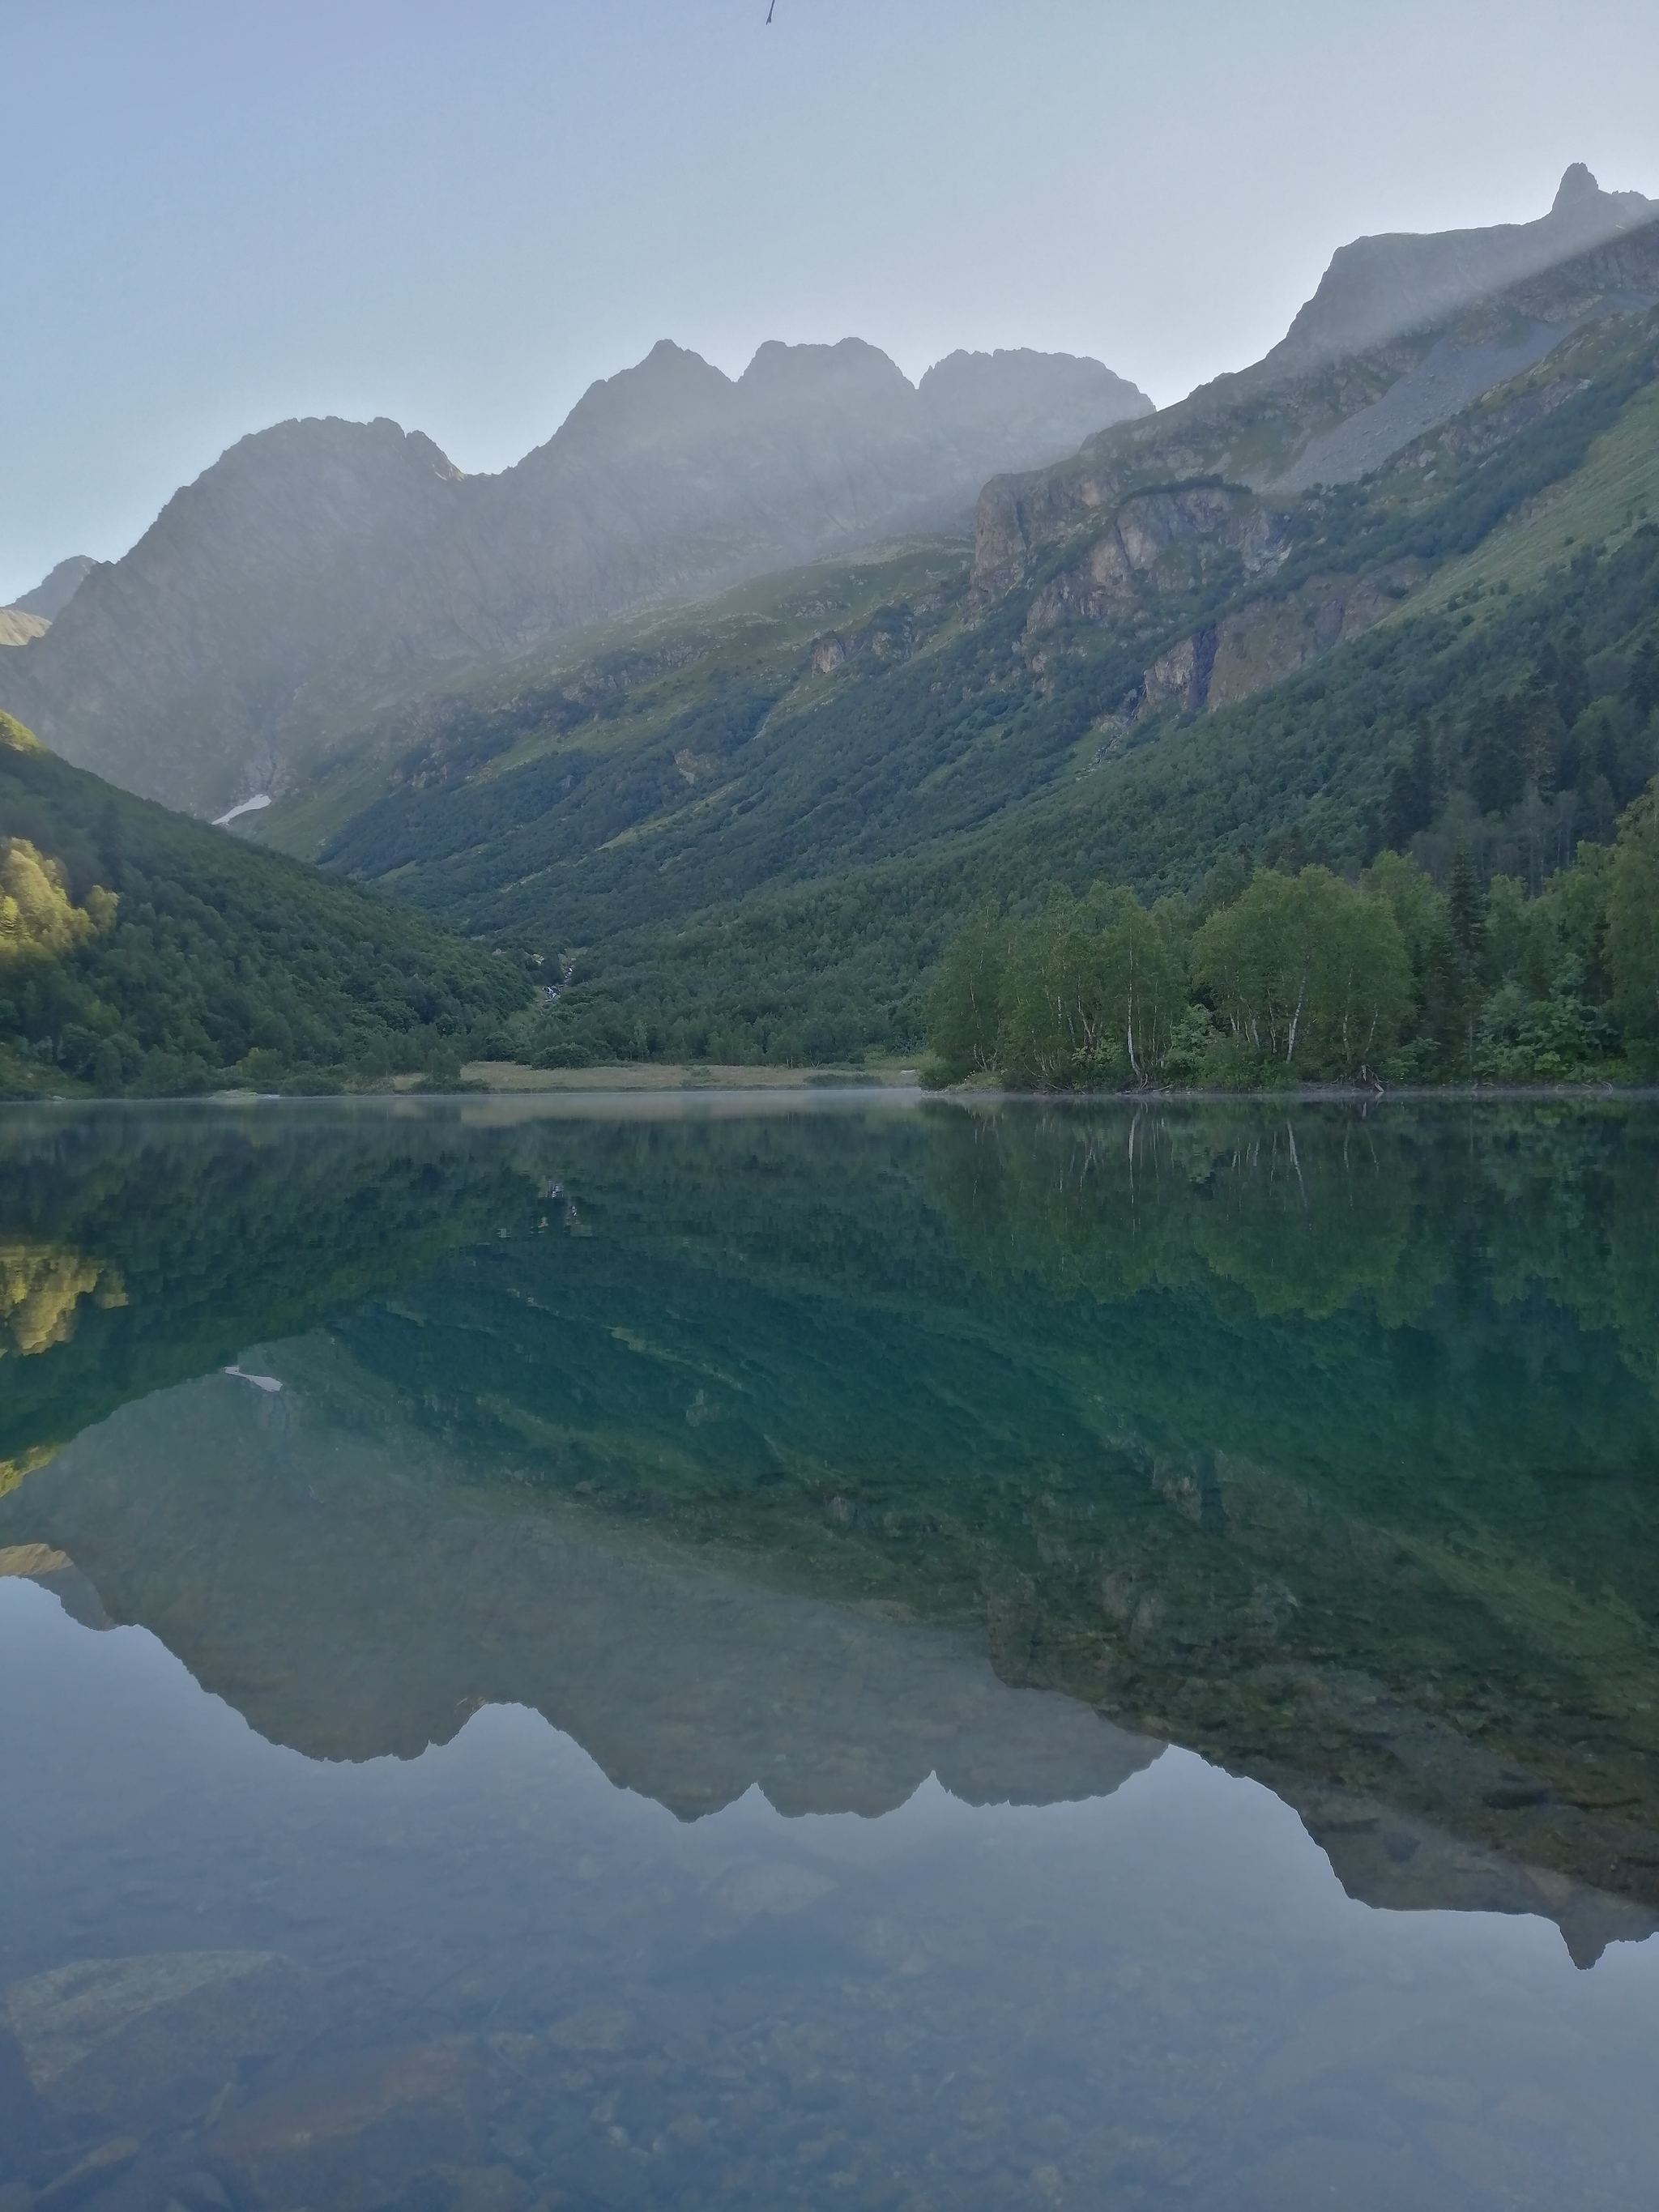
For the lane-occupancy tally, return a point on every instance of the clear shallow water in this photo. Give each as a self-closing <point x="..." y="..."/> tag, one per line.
<point x="858" y="1656"/>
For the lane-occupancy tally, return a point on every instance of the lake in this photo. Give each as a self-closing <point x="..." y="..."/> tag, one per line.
<point x="814" y="1649"/>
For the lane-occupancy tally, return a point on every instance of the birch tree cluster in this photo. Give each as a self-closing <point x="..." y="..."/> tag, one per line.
<point x="1266" y="977"/>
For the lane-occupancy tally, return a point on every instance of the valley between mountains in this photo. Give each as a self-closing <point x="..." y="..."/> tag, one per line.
<point x="707" y="728"/>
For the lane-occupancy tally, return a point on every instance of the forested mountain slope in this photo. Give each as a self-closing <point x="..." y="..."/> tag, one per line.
<point x="320" y="570"/>
<point x="140" y="951"/>
<point x="749" y="834"/>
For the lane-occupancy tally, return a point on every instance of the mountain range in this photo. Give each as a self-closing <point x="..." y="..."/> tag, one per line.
<point x="745" y="829"/>
<point x="721" y="709"/>
<point x="321" y="569"/>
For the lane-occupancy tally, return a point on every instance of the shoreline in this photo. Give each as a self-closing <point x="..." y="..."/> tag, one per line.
<point x="891" y="1080"/>
<point x="507" y="1076"/>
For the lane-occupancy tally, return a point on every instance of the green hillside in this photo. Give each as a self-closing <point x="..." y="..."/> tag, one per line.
<point x="747" y="832"/>
<point x="142" y="951"/>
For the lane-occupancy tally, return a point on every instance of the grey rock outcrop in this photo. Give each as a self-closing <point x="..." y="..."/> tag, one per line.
<point x="1307" y="414"/>
<point x="1146" y="513"/>
<point x="20" y="630"/>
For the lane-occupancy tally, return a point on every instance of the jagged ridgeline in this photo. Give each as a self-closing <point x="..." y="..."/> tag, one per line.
<point x="140" y="951"/>
<point x="319" y="570"/>
<point x="1315" y="1442"/>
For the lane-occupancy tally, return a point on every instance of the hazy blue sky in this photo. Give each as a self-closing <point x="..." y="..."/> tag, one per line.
<point x="222" y="213"/>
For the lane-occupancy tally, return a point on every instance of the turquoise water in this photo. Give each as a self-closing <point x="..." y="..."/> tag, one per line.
<point x="828" y="1651"/>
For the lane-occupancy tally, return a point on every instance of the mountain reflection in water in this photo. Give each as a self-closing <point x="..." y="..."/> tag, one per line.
<point x="814" y="1462"/>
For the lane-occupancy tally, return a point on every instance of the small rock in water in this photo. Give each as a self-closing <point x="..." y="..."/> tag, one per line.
<point x="203" y="2191"/>
<point x="346" y="2099"/>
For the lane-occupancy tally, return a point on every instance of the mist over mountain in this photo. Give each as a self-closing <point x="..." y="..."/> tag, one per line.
<point x="747" y="827"/>
<point x="324" y="575"/>
<point x="321" y="569"/>
<point x="1378" y="287"/>
<point x="1321" y="410"/>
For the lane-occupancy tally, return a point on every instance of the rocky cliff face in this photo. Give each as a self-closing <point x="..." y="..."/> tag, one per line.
<point x="322" y="570"/>
<point x="1298" y="418"/>
<point x="1206" y="498"/>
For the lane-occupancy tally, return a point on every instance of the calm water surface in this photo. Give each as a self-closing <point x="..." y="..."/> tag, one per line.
<point x="829" y="1653"/>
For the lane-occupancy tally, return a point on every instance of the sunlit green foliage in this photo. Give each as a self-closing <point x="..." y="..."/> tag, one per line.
<point x="38" y="920"/>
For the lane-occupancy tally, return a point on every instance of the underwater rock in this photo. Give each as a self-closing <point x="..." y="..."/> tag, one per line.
<point x="155" y="2036"/>
<point x="317" y="2137"/>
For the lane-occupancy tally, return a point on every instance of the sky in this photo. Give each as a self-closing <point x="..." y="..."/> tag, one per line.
<point x="223" y="213"/>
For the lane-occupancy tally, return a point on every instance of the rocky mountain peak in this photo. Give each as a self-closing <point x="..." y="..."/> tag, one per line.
<point x="1382" y="287"/>
<point x="1577" y="186"/>
<point x="851" y="361"/>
